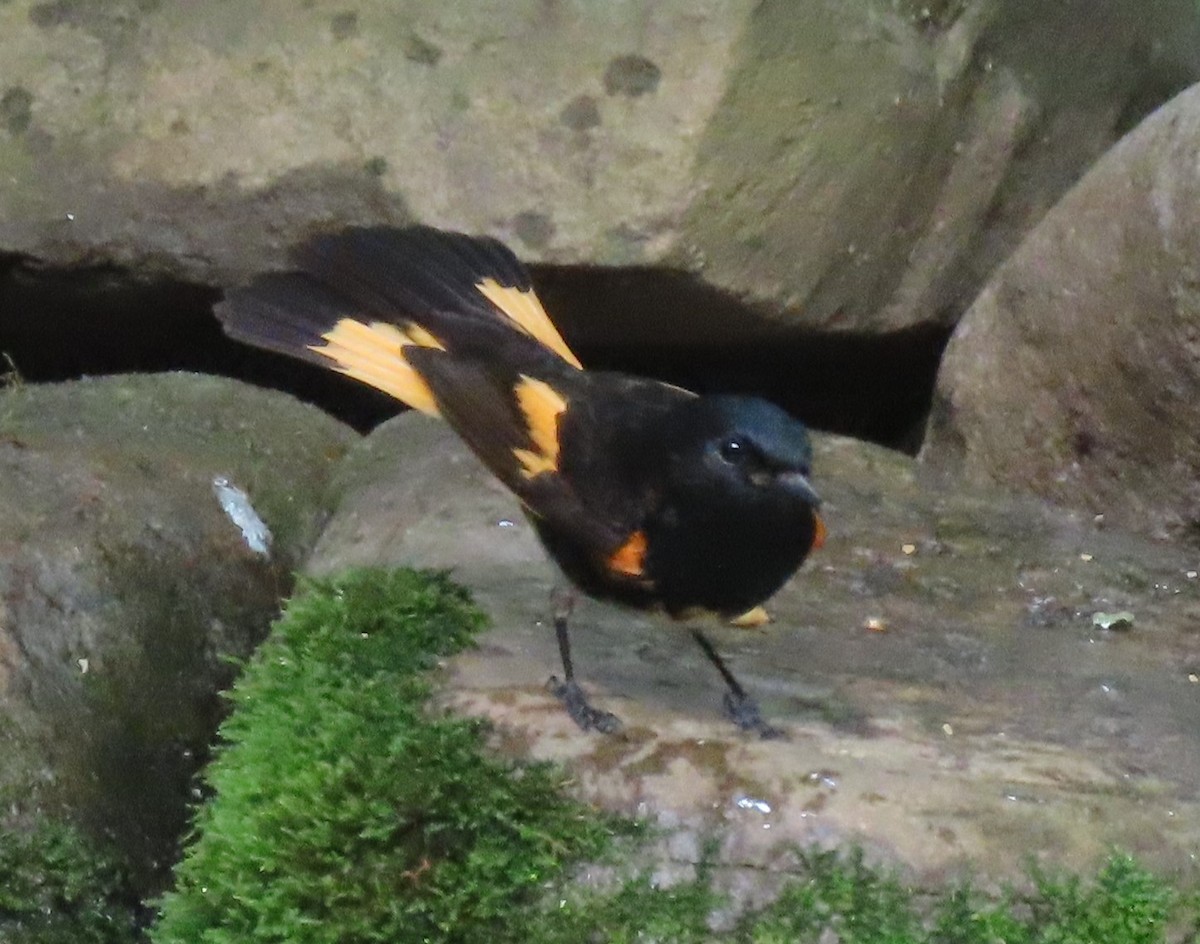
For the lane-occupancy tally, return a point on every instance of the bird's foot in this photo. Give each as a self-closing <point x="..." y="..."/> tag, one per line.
<point x="743" y="711"/>
<point x="581" y="712"/>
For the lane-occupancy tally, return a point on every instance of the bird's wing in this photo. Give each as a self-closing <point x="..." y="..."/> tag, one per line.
<point x="449" y="325"/>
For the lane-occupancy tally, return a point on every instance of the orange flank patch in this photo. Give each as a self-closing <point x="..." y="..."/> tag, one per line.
<point x="541" y="405"/>
<point x="525" y="310"/>
<point x="820" y="532"/>
<point x="374" y="354"/>
<point x="630" y="558"/>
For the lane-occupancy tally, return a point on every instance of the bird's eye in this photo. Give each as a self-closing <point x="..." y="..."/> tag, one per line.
<point x="733" y="450"/>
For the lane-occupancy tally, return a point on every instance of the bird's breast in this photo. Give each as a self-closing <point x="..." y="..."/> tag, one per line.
<point x="728" y="564"/>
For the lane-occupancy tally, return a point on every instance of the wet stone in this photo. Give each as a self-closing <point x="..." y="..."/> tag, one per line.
<point x="973" y="723"/>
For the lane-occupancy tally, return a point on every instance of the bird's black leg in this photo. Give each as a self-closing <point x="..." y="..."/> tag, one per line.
<point x="568" y="691"/>
<point x="741" y="708"/>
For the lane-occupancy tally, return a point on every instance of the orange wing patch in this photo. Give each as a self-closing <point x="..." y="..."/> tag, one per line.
<point x="374" y="354"/>
<point x="525" y="310"/>
<point x="630" y="558"/>
<point x="541" y="406"/>
<point x="820" y="532"/>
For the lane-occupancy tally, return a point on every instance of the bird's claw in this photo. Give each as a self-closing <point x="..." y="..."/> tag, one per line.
<point x="743" y="711"/>
<point x="581" y="712"/>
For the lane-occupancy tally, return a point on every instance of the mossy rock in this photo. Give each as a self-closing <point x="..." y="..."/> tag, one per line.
<point x="127" y="588"/>
<point x="344" y="809"/>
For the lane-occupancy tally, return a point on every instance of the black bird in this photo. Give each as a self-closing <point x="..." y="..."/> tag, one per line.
<point x="644" y="493"/>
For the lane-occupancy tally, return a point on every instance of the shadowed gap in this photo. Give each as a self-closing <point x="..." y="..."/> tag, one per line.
<point x="60" y="324"/>
<point x="872" y="386"/>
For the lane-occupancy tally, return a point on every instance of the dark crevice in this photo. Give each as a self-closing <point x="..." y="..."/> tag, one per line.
<point x="61" y="324"/>
<point x="871" y="386"/>
<point x="58" y="324"/>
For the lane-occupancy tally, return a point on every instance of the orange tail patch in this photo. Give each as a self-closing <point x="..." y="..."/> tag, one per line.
<point x="374" y="354"/>
<point x="525" y="310"/>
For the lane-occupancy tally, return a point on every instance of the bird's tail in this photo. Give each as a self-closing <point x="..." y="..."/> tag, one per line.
<point x="362" y="296"/>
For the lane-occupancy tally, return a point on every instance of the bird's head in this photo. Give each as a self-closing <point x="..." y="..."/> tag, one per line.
<point x="743" y="452"/>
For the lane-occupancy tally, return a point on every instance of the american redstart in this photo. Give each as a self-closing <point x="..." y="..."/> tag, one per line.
<point x="643" y="493"/>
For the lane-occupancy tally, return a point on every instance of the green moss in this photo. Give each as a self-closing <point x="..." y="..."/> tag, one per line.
<point x="836" y="896"/>
<point x="637" y="910"/>
<point x="57" y="888"/>
<point x="343" y="811"/>
<point x="1125" y="903"/>
<point x="841" y="893"/>
<point x="838" y="892"/>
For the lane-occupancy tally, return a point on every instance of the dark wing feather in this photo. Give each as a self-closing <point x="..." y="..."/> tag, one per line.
<point x="477" y="399"/>
<point x="285" y="313"/>
<point x="423" y="272"/>
<point x="448" y="324"/>
<point x="388" y="272"/>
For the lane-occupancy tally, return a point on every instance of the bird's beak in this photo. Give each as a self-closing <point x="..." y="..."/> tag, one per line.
<point x="799" y="486"/>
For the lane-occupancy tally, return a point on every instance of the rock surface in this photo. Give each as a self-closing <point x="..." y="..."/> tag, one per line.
<point x="942" y="669"/>
<point x="854" y="166"/>
<point x="125" y="586"/>
<point x="1076" y="374"/>
<point x="946" y="696"/>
